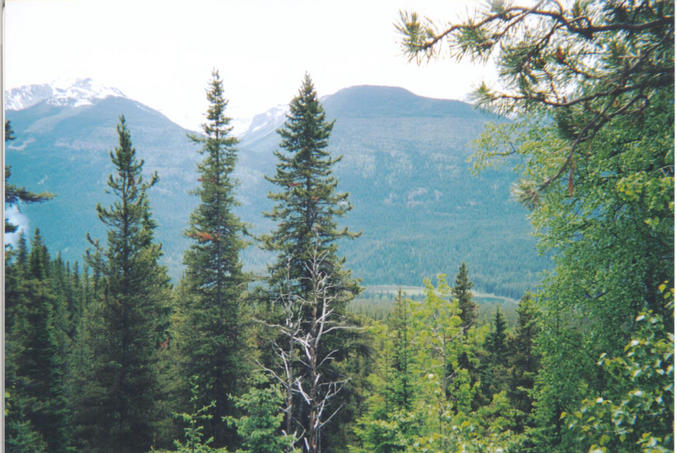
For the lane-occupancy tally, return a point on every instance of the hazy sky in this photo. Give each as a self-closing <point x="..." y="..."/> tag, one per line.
<point x="162" y="52"/>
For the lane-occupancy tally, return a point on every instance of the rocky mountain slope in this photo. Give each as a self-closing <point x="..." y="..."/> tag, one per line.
<point x="404" y="164"/>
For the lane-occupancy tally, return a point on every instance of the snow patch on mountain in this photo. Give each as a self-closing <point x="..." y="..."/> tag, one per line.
<point x="265" y="123"/>
<point x="75" y="93"/>
<point x="240" y="125"/>
<point x="271" y="119"/>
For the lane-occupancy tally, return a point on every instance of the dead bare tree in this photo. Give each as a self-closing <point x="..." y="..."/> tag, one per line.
<point x="316" y="389"/>
<point x="284" y="348"/>
<point x="305" y="358"/>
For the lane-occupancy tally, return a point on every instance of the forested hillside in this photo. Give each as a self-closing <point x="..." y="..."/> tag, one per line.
<point x="404" y="164"/>
<point x="107" y="354"/>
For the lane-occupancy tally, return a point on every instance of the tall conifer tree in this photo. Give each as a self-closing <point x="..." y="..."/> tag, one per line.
<point x="401" y="385"/>
<point x="308" y="204"/>
<point x="305" y="241"/>
<point x="497" y="341"/>
<point x="212" y="339"/>
<point x="118" y="405"/>
<point x="524" y="360"/>
<point x="462" y="292"/>
<point x="35" y="377"/>
<point x="493" y="369"/>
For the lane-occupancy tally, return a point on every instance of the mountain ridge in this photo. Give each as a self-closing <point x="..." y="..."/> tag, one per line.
<point x="407" y="173"/>
<point x="76" y="93"/>
<point x="362" y="101"/>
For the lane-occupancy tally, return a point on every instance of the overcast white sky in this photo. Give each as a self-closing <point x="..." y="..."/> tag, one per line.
<point x="161" y="52"/>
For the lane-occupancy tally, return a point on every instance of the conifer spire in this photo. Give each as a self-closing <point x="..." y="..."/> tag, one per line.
<point x="463" y="293"/>
<point x="118" y="404"/>
<point x="307" y="204"/>
<point x="214" y="283"/>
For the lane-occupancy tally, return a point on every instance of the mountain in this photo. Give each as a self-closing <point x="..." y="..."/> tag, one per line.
<point x="62" y="146"/>
<point x="76" y="93"/>
<point x="404" y="164"/>
<point x="264" y="124"/>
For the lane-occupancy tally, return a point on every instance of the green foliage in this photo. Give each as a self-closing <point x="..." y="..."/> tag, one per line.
<point x="637" y="413"/>
<point x="401" y="385"/>
<point x="34" y="374"/>
<point x="20" y="435"/>
<point x="384" y="432"/>
<point x="497" y="341"/>
<point x="523" y="361"/>
<point x="307" y="283"/>
<point x="307" y="206"/>
<point x="437" y="343"/>
<point x="440" y="412"/>
<point x="494" y="359"/>
<point x="600" y="279"/>
<point x="593" y="83"/>
<point x="211" y="338"/>
<point x="260" y="426"/>
<point x="576" y="57"/>
<point x="462" y="293"/>
<point x="193" y="430"/>
<point x="388" y="422"/>
<point x="117" y="406"/>
<point x="487" y="429"/>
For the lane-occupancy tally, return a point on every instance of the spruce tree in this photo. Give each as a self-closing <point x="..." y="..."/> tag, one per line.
<point x="401" y="384"/>
<point x="308" y="204"/>
<point x="493" y="369"/>
<point x="35" y="377"/>
<point x="524" y="360"/>
<point x="261" y="421"/>
<point x="125" y="329"/>
<point x="16" y="272"/>
<point x="213" y="343"/>
<point x="305" y="211"/>
<point x="462" y="292"/>
<point x="496" y="342"/>
<point x="194" y="438"/>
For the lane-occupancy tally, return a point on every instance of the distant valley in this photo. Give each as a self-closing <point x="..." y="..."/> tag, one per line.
<point x="405" y="164"/>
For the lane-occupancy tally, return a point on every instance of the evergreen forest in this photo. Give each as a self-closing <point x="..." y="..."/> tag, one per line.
<point x="109" y="354"/>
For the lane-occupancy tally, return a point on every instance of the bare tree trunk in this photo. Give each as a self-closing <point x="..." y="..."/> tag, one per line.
<point x="304" y="359"/>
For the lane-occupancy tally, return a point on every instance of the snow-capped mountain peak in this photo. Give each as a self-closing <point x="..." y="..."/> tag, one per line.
<point x="274" y="117"/>
<point x="266" y="123"/>
<point x="72" y="93"/>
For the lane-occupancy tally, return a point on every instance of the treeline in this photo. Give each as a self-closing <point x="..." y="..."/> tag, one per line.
<point x="499" y="267"/>
<point x="112" y="358"/>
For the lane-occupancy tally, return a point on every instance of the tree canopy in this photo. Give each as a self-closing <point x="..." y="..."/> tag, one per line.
<point x="589" y="87"/>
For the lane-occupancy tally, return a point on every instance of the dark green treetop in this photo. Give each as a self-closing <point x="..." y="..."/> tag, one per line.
<point x="118" y="403"/>
<point x="307" y="205"/>
<point x="34" y="374"/>
<point x="497" y="341"/>
<point x="212" y="261"/>
<point x="462" y="291"/>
